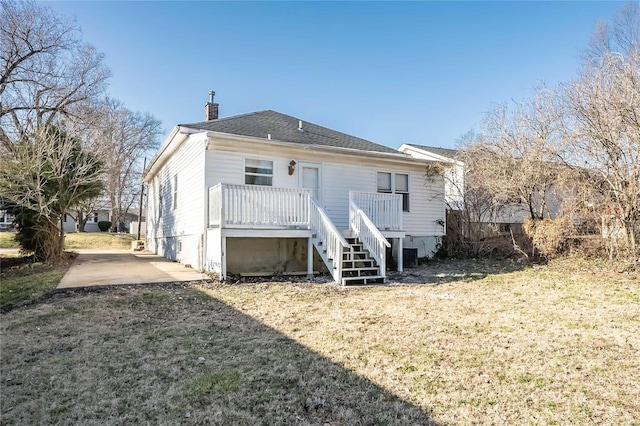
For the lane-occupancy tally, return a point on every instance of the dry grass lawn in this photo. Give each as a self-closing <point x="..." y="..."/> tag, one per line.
<point x="80" y="240"/>
<point x="557" y="344"/>
<point x="7" y="240"/>
<point x="97" y="240"/>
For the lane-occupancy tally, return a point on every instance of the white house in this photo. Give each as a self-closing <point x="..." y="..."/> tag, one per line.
<point x="92" y="221"/>
<point x="267" y="192"/>
<point x="99" y="216"/>
<point x="454" y="174"/>
<point x="6" y="221"/>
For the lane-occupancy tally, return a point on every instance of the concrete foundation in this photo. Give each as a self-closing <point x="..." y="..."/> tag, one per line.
<point x="274" y="255"/>
<point x="427" y="246"/>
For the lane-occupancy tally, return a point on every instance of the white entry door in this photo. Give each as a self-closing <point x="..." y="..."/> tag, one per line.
<point x="311" y="177"/>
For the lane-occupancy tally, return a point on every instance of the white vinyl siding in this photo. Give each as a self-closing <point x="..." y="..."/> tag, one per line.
<point x="339" y="176"/>
<point x="176" y="213"/>
<point x="427" y="204"/>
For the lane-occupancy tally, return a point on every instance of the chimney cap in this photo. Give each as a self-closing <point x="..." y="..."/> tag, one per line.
<point x="211" y="95"/>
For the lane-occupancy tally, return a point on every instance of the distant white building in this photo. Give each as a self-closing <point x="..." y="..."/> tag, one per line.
<point x="6" y="221"/>
<point x="93" y="219"/>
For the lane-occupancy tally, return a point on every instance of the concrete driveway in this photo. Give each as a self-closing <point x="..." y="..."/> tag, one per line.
<point x="112" y="267"/>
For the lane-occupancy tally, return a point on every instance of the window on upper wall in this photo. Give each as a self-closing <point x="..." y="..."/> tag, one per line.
<point x="395" y="183"/>
<point x="175" y="192"/>
<point x="258" y="172"/>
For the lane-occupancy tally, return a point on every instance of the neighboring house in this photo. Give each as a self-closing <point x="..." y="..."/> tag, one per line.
<point x="501" y="221"/>
<point x="454" y="172"/>
<point x="93" y="219"/>
<point x="265" y="192"/>
<point x="6" y="221"/>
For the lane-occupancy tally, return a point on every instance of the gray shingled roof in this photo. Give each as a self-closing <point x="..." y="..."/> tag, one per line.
<point x="284" y="128"/>
<point x="444" y="152"/>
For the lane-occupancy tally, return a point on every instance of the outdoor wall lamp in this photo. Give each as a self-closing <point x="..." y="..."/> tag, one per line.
<point x="292" y="167"/>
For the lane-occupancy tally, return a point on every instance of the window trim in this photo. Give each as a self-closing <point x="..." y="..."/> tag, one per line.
<point x="393" y="187"/>
<point x="159" y="199"/>
<point x="245" y="173"/>
<point x="174" y="197"/>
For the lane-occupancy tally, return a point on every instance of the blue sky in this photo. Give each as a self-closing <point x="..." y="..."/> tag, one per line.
<point x="393" y="73"/>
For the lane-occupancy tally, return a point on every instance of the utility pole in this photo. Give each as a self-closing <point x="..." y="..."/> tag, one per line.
<point x="141" y="195"/>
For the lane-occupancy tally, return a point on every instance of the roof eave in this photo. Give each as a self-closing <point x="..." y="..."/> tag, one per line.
<point x="399" y="156"/>
<point x="408" y="147"/>
<point x="178" y="135"/>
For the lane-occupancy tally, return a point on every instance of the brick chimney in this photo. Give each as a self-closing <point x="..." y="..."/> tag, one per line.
<point x="210" y="108"/>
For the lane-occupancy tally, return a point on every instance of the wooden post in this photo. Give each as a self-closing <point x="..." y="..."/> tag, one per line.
<point x="223" y="193"/>
<point x="141" y="195"/>
<point x="400" y="266"/>
<point x="309" y="258"/>
<point x="223" y="257"/>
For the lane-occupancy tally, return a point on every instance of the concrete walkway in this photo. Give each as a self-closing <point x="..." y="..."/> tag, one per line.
<point x="113" y="267"/>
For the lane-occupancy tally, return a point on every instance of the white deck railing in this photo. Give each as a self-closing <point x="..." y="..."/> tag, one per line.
<point x="384" y="210"/>
<point x="215" y="205"/>
<point x="328" y="235"/>
<point x="369" y="235"/>
<point x="258" y="206"/>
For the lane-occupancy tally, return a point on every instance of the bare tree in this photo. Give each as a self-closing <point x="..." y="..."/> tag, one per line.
<point x="81" y="212"/>
<point x="514" y="160"/>
<point x="46" y="69"/>
<point x="48" y="175"/>
<point x="122" y="138"/>
<point x="604" y="104"/>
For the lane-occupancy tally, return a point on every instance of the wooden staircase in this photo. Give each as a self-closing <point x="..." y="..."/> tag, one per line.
<point x="358" y="267"/>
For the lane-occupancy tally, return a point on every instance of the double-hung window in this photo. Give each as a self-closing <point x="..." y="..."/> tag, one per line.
<point x="395" y="183"/>
<point x="258" y="172"/>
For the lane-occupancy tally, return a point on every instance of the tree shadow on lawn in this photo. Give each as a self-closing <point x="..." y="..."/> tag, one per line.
<point x="173" y="355"/>
<point x="455" y="270"/>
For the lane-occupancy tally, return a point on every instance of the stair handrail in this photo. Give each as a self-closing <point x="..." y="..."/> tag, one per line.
<point x="328" y="234"/>
<point x="370" y="236"/>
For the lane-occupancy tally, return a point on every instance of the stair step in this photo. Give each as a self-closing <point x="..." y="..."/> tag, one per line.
<point x="368" y="268"/>
<point x="355" y="252"/>
<point x="368" y="280"/>
<point x="367" y="262"/>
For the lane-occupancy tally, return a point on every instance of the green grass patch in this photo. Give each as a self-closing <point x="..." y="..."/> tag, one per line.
<point x="224" y="382"/>
<point x="26" y="280"/>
